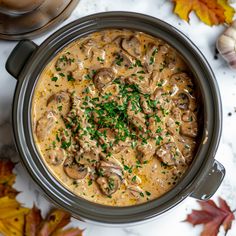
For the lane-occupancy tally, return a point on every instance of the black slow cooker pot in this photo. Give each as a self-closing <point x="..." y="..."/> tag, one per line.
<point x="203" y="177"/>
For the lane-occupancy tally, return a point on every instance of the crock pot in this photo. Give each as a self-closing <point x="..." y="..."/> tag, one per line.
<point x="203" y="177"/>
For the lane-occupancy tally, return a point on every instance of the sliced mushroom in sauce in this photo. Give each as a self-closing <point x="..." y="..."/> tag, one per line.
<point x="109" y="184"/>
<point x="60" y="102"/>
<point x="45" y="124"/>
<point x="103" y="77"/>
<point x="74" y="170"/>
<point x="132" y="46"/>
<point x="55" y="156"/>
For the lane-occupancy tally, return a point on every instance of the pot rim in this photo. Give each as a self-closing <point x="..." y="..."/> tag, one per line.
<point x="81" y="208"/>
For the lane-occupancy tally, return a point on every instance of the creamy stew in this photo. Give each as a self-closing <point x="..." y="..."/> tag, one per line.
<point x="116" y="118"/>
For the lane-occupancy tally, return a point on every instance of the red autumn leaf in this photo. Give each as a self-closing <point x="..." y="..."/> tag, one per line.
<point x="212" y="217"/>
<point x="55" y="220"/>
<point x="7" y="179"/>
<point x="68" y="232"/>
<point x="32" y="221"/>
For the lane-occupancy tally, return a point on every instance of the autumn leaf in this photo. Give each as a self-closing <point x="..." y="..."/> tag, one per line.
<point x="212" y="12"/>
<point x="11" y="217"/>
<point x="32" y="221"/>
<point x="7" y="179"/>
<point x="212" y="216"/>
<point x="21" y="221"/>
<point x="56" y="219"/>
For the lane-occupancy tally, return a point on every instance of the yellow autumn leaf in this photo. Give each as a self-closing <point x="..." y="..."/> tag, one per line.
<point x="213" y="12"/>
<point x="16" y="220"/>
<point x="12" y="212"/>
<point x="6" y="202"/>
<point x="13" y="225"/>
<point x="12" y="217"/>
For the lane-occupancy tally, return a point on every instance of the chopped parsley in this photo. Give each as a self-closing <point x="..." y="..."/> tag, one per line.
<point x="100" y="59"/>
<point x="119" y="59"/>
<point x="141" y="194"/>
<point x="70" y="78"/>
<point x="88" y="77"/>
<point x="134" y="178"/>
<point x="54" y="78"/>
<point x="65" y="144"/>
<point x="153" y="56"/>
<point x="127" y="168"/>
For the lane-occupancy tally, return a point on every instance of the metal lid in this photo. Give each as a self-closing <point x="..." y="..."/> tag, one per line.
<point x="32" y="18"/>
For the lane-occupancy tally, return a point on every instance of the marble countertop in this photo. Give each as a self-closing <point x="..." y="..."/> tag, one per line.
<point x="204" y="37"/>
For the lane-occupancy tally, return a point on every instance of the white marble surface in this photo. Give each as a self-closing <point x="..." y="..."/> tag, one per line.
<point x="204" y="37"/>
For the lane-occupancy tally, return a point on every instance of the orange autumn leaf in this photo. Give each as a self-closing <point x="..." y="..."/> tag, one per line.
<point x="55" y="220"/>
<point x="213" y="12"/>
<point x="20" y="221"/>
<point x="7" y="179"/>
<point x="32" y="221"/>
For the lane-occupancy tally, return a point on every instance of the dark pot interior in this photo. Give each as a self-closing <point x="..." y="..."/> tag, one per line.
<point x="195" y="181"/>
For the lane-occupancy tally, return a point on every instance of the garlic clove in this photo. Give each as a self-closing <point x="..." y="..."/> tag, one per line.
<point x="231" y="32"/>
<point x="226" y="45"/>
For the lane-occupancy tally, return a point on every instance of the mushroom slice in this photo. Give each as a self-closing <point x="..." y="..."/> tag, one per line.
<point x="45" y="124"/>
<point x="86" y="47"/>
<point x="109" y="184"/>
<point x="103" y="77"/>
<point x="55" y="156"/>
<point x="136" y="191"/>
<point x="185" y="101"/>
<point x="74" y="170"/>
<point x="59" y="102"/>
<point x="132" y="46"/>
<point x="145" y="151"/>
<point x="189" y="129"/>
<point x="170" y="154"/>
<point x="66" y="62"/>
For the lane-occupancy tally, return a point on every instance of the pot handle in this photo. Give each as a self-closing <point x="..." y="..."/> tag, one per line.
<point x="19" y="57"/>
<point x="211" y="182"/>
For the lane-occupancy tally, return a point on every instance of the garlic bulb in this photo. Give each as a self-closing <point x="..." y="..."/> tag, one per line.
<point x="226" y="45"/>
